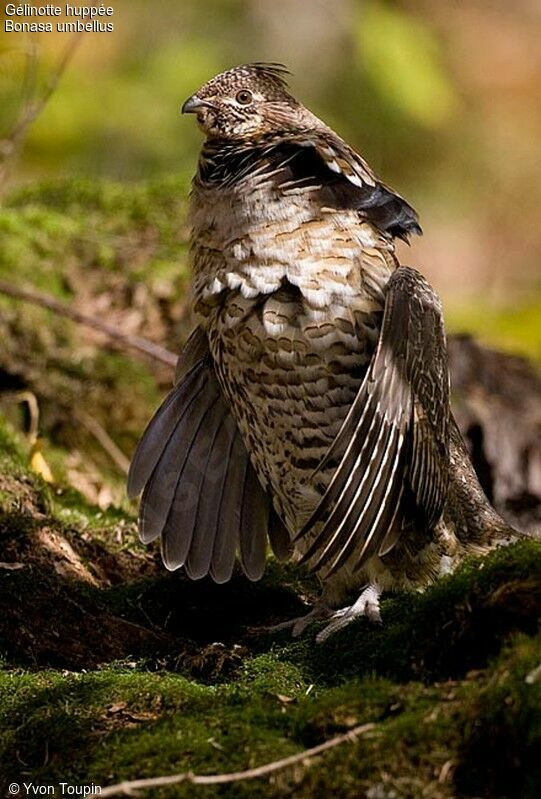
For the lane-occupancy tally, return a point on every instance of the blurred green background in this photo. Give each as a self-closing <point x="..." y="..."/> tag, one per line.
<point x="443" y="99"/>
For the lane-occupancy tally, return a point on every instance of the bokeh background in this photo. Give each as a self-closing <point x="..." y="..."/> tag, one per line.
<point x="443" y="99"/>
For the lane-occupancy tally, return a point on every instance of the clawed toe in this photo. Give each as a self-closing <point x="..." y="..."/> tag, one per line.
<point x="338" y="623"/>
<point x="366" y="605"/>
<point x="299" y="624"/>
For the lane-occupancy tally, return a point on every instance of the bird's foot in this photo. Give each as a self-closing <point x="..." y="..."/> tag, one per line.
<point x="366" y="605"/>
<point x="300" y="623"/>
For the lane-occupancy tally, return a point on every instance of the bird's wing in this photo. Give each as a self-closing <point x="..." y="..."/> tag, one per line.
<point x="200" y="492"/>
<point x="395" y="437"/>
<point x="325" y="158"/>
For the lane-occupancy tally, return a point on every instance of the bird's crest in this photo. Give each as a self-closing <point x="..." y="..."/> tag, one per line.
<point x="270" y="76"/>
<point x="270" y="71"/>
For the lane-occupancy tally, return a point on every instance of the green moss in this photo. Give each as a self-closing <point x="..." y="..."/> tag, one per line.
<point x="456" y="626"/>
<point x="23" y="492"/>
<point x="118" y="254"/>
<point x="114" y="725"/>
<point x="500" y="749"/>
<point x="53" y="230"/>
<point x="269" y="673"/>
<point x="11" y="448"/>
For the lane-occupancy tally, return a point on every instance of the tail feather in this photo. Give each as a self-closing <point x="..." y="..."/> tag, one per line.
<point x="200" y="492"/>
<point x="210" y="496"/>
<point x="227" y="537"/>
<point x="253" y="528"/>
<point x="161" y="493"/>
<point x="279" y="537"/>
<point x="158" y="432"/>
<point x="199" y="429"/>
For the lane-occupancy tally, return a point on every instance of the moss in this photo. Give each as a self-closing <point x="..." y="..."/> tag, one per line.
<point x="12" y="454"/>
<point x="103" y="226"/>
<point x="117" y="253"/>
<point x="115" y="724"/>
<point x="455" y="626"/>
<point x="24" y="493"/>
<point x="501" y="746"/>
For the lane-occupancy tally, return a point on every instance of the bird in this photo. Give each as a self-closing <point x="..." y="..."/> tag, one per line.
<point x="311" y="403"/>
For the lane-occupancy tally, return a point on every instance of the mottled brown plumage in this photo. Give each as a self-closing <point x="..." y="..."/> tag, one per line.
<point x="312" y="402"/>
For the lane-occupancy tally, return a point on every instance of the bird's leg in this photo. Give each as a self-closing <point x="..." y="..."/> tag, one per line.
<point x="298" y="625"/>
<point x="366" y="605"/>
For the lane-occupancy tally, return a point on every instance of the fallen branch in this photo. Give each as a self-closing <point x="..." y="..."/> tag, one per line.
<point x="134" y="342"/>
<point x="104" y="439"/>
<point x="128" y="788"/>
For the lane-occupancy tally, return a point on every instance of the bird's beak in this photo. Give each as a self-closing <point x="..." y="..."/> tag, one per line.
<point x="193" y="104"/>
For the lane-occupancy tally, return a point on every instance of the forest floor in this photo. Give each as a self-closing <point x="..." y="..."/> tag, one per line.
<point x="113" y="669"/>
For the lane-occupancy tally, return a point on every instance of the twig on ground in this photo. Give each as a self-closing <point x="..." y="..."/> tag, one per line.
<point x="134" y="342"/>
<point x="129" y="788"/>
<point x="104" y="439"/>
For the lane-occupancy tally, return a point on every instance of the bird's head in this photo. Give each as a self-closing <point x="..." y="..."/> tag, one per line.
<point x="245" y="102"/>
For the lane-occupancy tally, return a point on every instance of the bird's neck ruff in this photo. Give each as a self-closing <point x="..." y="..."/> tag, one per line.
<point x="304" y="160"/>
<point x="225" y="162"/>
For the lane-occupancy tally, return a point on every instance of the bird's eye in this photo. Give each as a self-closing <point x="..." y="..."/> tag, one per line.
<point x="244" y="97"/>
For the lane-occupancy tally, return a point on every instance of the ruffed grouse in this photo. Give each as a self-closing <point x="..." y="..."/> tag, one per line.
<point x="311" y="405"/>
